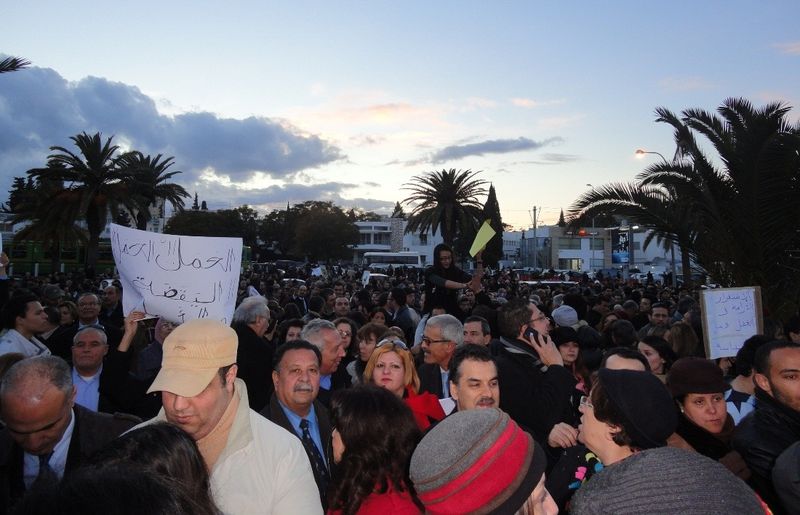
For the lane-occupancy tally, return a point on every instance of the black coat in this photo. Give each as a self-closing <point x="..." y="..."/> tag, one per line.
<point x="532" y="397"/>
<point x="761" y="437"/>
<point x="254" y="361"/>
<point x="92" y="431"/>
<point x="339" y="381"/>
<point x="430" y="380"/>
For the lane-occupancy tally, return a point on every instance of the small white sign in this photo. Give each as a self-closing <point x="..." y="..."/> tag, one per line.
<point x="730" y="316"/>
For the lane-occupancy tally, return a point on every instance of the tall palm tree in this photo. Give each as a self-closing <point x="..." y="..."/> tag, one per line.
<point x="95" y="185"/>
<point x="150" y="184"/>
<point x="12" y="64"/>
<point x="445" y="201"/>
<point x="742" y="204"/>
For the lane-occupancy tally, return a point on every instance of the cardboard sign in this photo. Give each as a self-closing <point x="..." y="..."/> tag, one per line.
<point x="179" y="278"/>
<point x="730" y="316"/>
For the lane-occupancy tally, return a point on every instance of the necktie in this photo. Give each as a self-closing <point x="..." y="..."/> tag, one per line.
<point x="317" y="463"/>
<point x="46" y="475"/>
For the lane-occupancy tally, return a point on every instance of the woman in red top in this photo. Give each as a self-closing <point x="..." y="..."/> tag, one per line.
<point x="392" y="367"/>
<point x="374" y="436"/>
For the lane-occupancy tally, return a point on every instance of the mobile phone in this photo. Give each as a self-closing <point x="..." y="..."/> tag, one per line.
<point x="532" y="334"/>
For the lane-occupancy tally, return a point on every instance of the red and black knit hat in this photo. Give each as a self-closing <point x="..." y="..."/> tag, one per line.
<point x="476" y="461"/>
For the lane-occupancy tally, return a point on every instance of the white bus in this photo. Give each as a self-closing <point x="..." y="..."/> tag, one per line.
<point x="382" y="260"/>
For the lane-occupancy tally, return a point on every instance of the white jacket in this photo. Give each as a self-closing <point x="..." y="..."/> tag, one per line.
<point x="12" y="341"/>
<point x="263" y="468"/>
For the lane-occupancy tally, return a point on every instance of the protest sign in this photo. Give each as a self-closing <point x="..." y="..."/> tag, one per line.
<point x="179" y="278"/>
<point x="730" y="316"/>
<point x="485" y="233"/>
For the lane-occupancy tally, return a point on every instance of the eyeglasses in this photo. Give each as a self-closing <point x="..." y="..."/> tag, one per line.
<point x="586" y="402"/>
<point x="392" y="341"/>
<point x="428" y="341"/>
<point x="538" y="319"/>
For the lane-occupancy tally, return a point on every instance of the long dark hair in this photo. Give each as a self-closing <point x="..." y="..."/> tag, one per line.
<point x="163" y="450"/>
<point x="379" y="435"/>
<point x="437" y="264"/>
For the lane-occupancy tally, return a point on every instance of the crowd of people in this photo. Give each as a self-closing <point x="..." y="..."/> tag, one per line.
<point x="435" y="391"/>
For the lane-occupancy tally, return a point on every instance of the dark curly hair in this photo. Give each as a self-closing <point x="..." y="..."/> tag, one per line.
<point x="379" y="435"/>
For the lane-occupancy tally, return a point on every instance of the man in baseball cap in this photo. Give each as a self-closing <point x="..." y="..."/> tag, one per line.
<point x="256" y="467"/>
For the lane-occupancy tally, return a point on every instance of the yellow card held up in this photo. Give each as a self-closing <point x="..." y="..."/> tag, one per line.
<point x="485" y="233"/>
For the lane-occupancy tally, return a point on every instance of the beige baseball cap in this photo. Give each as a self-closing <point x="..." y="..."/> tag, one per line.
<point x="193" y="353"/>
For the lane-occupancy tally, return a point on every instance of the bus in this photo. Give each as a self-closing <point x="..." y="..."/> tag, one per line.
<point x="383" y="260"/>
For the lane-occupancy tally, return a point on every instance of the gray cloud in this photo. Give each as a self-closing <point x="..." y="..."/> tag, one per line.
<point x="276" y="197"/>
<point x="496" y="146"/>
<point x="39" y="109"/>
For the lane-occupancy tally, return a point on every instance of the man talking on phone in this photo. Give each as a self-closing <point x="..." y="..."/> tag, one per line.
<point x="535" y="388"/>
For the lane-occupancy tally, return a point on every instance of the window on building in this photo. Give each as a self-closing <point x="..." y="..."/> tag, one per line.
<point x="423" y="239"/>
<point x="569" y="243"/>
<point x="365" y="239"/>
<point x="596" y="244"/>
<point x="382" y="239"/>
<point x="569" y="263"/>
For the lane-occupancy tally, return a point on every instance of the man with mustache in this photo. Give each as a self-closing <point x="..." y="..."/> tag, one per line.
<point x="473" y="378"/>
<point x="294" y="405"/>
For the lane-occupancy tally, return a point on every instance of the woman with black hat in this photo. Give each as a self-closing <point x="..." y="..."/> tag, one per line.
<point x="704" y="424"/>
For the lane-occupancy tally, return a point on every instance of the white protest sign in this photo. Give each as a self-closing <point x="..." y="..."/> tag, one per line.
<point x="179" y="278"/>
<point x="365" y="278"/>
<point x="730" y="316"/>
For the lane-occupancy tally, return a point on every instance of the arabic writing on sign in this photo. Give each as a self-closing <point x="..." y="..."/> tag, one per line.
<point x="177" y="277"/>
<point x="731" y="317"/>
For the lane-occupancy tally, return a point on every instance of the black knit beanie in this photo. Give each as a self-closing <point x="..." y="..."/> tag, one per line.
<point x="644" y="403"/>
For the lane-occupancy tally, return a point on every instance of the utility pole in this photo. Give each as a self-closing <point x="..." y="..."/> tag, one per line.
<point x="535" y="239"/>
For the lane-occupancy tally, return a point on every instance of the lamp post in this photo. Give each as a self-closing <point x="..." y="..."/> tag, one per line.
<point x="640" y="153"/>
<point x="591" y="240"/>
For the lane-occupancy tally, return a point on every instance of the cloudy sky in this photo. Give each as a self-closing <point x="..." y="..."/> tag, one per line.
<point x="267" y="102"/>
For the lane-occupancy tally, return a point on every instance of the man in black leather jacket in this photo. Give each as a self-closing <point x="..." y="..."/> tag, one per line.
<point x="775" y="424"/>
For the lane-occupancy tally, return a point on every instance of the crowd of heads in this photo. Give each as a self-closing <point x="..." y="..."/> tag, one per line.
<point x="634" y="363"/>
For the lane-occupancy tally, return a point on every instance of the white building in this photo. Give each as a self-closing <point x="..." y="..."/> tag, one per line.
<point x="586" y="250"/>
<point x="388" y="235"/>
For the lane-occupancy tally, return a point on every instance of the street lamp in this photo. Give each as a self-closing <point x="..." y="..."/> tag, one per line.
<point x="641" y="152"/>
<point x="591" y="240"/>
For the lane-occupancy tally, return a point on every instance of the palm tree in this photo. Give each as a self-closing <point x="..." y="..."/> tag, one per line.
<point x="446" y="201"/>
<point x="95" y="185"/>
<point x="12" y="64"/>
<point x="658" y="208"/>
<point x="46" y="207"/>
<point x="741" y="207"/>
<point x="150" y="184"/>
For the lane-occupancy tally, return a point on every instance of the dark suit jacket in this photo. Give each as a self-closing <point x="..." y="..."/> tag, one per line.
<point x="114" y="318"/>
<point x="302" y="304"/>
<point x="430" y="379"/>
<point x="254" y="359"/>
<point x="340" y="380"/>
<point x="274" y="412"/>
<point x="91" y="433"/>
<point x="404" y="321"/>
